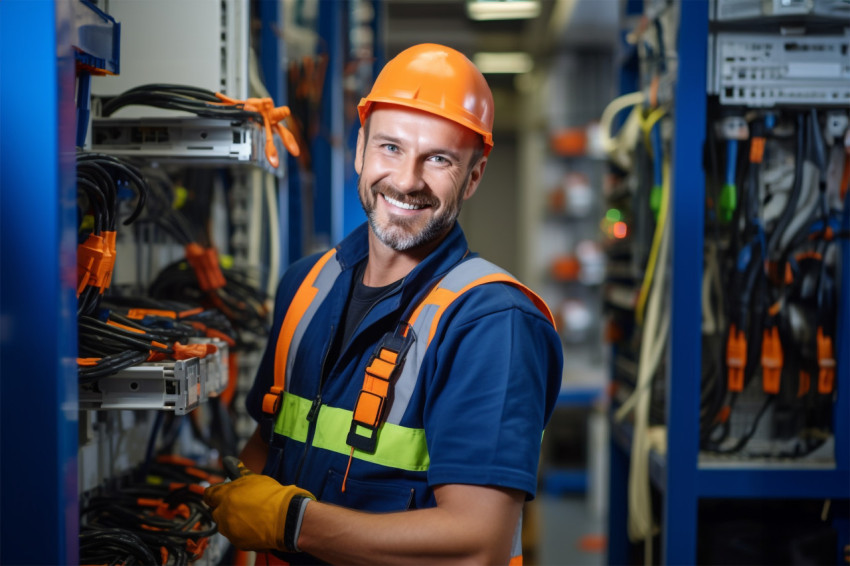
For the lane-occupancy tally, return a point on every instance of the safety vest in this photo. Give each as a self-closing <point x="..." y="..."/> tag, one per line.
<point x="391" y="373"/>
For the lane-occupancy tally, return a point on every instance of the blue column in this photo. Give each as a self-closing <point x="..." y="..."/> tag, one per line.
<point x="688" y="205"/>
<point x="272" y="52"/>
<point x="328" y="153"/>
<point x="38" y="389"/>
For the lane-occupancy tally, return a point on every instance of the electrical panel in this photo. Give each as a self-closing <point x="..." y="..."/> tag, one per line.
<point x="765" y="70"/>
<point x="177" y="264"/>
<point x="727" y="307"/>
<point x="736" y="10"/>
<point x="202" y="43"/>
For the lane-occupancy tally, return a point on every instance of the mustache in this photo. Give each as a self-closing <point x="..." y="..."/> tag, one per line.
<point x="419" y="198"/>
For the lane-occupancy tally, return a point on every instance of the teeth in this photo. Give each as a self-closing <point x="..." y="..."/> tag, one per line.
<point x="401" y="204"/>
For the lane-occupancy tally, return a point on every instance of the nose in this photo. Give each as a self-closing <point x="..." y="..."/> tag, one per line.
<point x="408" y="176"/>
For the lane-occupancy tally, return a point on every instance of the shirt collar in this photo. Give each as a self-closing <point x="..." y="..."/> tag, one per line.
<point x="355" y="247"/>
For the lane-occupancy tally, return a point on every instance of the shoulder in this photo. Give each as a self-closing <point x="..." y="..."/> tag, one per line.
<point x="493" y="298"/>
<point x="297" y="272"/>
<point x="293" y="277"/>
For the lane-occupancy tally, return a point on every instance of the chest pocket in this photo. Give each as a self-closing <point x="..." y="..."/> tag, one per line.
<point x="367" y="496"/>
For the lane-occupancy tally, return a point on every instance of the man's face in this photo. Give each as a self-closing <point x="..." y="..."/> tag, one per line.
<point x="415" y="173"/>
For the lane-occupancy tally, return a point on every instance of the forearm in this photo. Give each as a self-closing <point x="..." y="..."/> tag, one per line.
<point x="461" y="529"/>
<point x="255" y="452"/>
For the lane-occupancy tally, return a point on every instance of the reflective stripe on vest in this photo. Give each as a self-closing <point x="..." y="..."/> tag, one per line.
<point x="400" y="447"/>
<point x="426" y="317"/>
<point x="310" y="294"/>
<point x="410" y="452"/>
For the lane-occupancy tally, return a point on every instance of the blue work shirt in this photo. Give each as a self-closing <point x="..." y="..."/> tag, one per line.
<point x="486" y="388"/>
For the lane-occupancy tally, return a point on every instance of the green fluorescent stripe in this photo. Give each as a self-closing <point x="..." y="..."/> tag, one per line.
<point x="398" y="447"/>
<point x="292" y="418"/>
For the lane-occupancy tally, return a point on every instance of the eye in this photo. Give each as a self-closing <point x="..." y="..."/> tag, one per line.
<point x="440" y="160"/>
<point x="391" y="147"/>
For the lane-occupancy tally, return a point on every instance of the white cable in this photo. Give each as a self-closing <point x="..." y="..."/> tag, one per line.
<point x="809" y="199"/>
<point x="640" y="523"/>
<point x="711" y="284"/>
<point x="254" y="223"/>
<point x="258" y="89"/>
<point x="620" y="147"/>
<point x="270" y="186"/>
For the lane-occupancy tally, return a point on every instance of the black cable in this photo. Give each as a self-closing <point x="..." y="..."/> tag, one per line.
<point x="195" y="100"/>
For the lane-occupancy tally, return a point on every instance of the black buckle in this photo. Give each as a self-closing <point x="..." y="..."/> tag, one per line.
<point x="399" y="341"/>
<point x="361" y="442"/>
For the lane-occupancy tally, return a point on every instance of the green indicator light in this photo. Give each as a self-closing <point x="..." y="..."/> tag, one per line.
<point x="613" y="215"/>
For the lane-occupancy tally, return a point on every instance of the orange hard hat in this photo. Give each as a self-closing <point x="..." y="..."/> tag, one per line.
<point x="439" y="80"/>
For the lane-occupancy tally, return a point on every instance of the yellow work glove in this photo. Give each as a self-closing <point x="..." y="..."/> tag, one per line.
<point x="255" y="512"/>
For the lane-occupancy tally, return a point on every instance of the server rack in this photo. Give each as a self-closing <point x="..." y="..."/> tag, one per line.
<point x="679" y="478"/>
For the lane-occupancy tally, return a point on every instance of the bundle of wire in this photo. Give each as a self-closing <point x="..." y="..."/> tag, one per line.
<point x="780" y="275"/>
<point x="125" y="338"/>
<point x="99" y="178"/>
<point x="208" y="104"/>
<point x="198" y="101"/>
<point x="206" y="282"/>
<point x="155" y="519"/>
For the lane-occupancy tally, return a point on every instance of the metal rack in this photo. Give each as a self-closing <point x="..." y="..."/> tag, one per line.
<point x="678" y="475"/>
<point x="40" y="421"/>
<point x="38" y="395"/>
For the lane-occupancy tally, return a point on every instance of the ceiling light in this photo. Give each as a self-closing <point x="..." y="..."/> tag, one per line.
<point x="504" y="63"/>
<point x="502" y="9"/>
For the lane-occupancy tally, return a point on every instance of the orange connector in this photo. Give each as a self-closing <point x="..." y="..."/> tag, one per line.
<point x="804" y="384"/>
<point x="272" y="118"/>
<point x="736" y="358"/>
<point x="204" y="262"/>
<point x="826" y="364"/>
<point x="185" y="352"/>
<point x="771" y="360"/>
<point x="89" y="261"/>
<point x="108" y="265"/>
<point x="757" y="149"/>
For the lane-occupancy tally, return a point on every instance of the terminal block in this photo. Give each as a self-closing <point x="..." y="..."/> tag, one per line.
<point x="170" y="386"/>
<point x="215" y="368"/>
<point x="182" y="140"/>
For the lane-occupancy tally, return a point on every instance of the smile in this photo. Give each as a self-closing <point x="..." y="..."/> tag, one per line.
<point x="403" y="205"/>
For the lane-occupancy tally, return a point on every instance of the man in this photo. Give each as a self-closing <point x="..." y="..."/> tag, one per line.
<point x="430" y="457"/>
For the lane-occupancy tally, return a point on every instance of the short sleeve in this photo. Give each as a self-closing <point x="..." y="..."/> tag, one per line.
<point x="495" y="379"/>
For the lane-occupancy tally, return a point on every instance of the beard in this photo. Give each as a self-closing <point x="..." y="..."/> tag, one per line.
<point x="401" y="233"/>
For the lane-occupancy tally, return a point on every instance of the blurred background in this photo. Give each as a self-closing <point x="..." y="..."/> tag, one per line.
<point x="671" y="176"/>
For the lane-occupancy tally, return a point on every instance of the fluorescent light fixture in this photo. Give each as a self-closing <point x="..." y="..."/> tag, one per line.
<point x="504" y="63"/>
<point x="502" y="9"/>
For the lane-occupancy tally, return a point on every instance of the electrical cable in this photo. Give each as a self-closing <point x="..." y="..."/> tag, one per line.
<point x="270" y="191"/>
<point x="619" y="148"/>
<point x="659" y="227"/>
<point x="653" y="340"/>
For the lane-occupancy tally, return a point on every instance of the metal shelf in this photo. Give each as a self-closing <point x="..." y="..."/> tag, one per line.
<point x="184" y="140"/>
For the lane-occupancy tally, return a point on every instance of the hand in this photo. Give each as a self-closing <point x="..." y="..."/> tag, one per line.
<point x="254" y="512"/>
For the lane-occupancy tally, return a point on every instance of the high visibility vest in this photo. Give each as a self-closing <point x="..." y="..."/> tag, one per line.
<point x="392" y="372"/>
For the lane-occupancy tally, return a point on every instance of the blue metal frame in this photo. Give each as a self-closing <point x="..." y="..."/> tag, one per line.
<point x="38" y="389"/>
<point x="679" y="532"/>
<point x="272" y="50"/>
<point x="352" y="211"/>
<point x="327" y="148"/>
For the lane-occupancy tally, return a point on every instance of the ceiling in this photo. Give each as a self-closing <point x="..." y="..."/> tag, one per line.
<point x="562" y="24"/>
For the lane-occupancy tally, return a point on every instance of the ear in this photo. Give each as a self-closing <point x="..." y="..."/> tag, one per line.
<point x="358" y="150"/>
<point x="475" y="175"/>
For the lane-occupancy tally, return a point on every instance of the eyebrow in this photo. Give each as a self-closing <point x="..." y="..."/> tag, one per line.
<point x="385" y="138"/>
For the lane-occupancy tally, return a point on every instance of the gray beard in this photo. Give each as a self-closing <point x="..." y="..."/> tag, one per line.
<point x="396" y="236"/>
